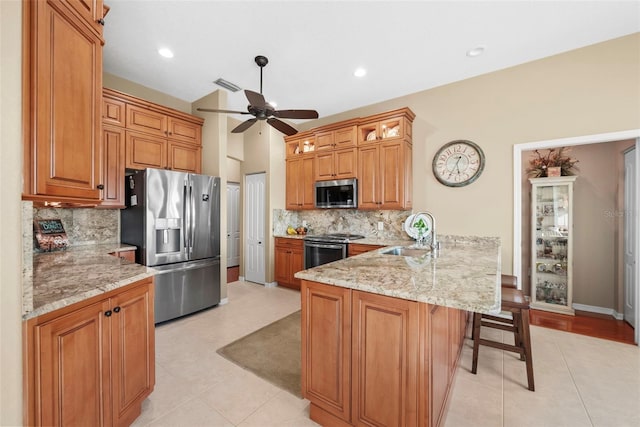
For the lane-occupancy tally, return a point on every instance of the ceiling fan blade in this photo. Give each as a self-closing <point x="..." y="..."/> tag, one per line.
<point x="282" y="126"/>
<point x="255" y="99"/>
<point x="296" y="114"/>
<point x="244" y="126"/>
<point x="213" y="110"/>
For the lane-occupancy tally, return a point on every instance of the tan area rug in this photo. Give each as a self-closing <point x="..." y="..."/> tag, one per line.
<point x="272" y="353"/>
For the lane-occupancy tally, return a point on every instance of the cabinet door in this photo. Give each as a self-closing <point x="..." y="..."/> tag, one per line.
<point x="67" y="86"/>
<point x="296" y="264"/>
<point x="133" y="354"/>
<point x="71" y="355"/>
<point x="306" y="191"/>
<point x="345" y="137"/>
<point x="113" y="112"/>
<point x="439" y="366"/>
<point x="392" y="175"/>
<point x="368" y="177"/>
<point x="293" y="170"/>
<point x="113" y="166"/>
<point x="147" y="121"/>
<point x="324" y="169"/>
<point x="91" y="11"/>
<point x="324" y="141"/>
<point x="359" y="248"/>
<point x="282" y="262"/>
<point x="185" y="131"/>
<point x="184" y="157"/>
<point x="385" y="360"/>
<point x="345" y="163"/>
<point x="145" y="151"/>
<point x="326" y="347"/>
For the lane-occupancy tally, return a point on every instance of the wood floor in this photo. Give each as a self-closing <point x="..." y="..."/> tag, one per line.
<point x="584" y="323"/>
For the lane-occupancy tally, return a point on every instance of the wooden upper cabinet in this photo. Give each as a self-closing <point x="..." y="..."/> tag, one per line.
<point x="300" y="183"/>
<point x="147" y="121"/>
<point x="185" y="131"/>
<point x="387" y="126"/>
<point x="300" y="145"/>
<point x="113" y="166"/>
<point x="384" y="176"/>
<point x="145" y="151"/>
<point x="336" y="164"/>
<point x="90" y="11"/>
<point x="336" y="139"/>
<point x="113" y="111"/>
<point x="184" y="157"/>
<point x="62" y="144"/>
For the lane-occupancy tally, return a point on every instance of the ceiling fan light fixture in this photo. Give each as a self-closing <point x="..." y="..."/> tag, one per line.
<point x="165" y="52"/>
<point x="232" y="87"/>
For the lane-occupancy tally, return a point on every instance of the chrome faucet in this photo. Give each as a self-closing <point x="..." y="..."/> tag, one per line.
<point x="434" y="243"/>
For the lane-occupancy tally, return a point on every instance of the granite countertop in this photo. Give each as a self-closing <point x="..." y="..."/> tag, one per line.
<point x="464" y="275"/>
<point x="53" y="280"/>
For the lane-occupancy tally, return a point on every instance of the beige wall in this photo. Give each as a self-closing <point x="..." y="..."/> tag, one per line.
<point x="135" y="89"/>
<point x="597" y="227"/>
<point x="235" y="141"/>
<point x="233" y="170"/>
<point x="214" y="162"/>
<point x="587" y="91"/>
<point x="10" y="214"/>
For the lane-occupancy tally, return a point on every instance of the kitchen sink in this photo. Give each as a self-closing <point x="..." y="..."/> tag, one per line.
<point x="407" y="251"/>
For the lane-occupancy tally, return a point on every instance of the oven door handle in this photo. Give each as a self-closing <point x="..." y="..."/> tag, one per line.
<point x="322" y="245"/>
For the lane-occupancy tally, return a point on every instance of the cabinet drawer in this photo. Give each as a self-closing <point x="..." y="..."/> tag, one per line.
<point x="284" y="242"/>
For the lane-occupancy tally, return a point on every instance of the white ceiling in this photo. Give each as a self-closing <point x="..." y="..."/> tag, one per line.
<point x="314" y="46"/>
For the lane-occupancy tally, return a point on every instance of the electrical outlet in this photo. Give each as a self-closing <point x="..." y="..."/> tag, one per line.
<point x="380" y="225"/>
<point x="304" y="223"/>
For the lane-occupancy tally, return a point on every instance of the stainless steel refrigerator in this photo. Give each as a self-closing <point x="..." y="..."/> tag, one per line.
<point x="174" y="220"/>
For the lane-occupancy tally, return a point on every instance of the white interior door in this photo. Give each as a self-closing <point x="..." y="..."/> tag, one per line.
<point x="254" y="205"/>
<point x="630" y="233"/>
<point x="233" y="224"/>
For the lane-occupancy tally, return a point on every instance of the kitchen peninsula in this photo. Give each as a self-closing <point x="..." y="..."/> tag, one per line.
<point x="382" y="334"/>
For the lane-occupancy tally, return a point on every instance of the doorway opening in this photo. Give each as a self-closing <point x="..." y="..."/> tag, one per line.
<point x="518" y="269"/>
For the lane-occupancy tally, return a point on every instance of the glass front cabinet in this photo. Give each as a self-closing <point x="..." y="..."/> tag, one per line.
<point x="552" y="243"/>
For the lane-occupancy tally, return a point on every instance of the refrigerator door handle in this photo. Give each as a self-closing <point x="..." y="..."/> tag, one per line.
<point x="185" y="224"/>
<point x="192" y="218"/>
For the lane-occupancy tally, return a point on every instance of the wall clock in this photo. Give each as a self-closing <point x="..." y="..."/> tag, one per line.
<point x="458" y="163"/>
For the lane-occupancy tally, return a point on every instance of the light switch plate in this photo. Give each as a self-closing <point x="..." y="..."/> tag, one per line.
<point x="380" y="225"/>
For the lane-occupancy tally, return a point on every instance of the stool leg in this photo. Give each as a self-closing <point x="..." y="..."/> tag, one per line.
<point x="477" y="321"/>
<point x="526" y="340"/>
<point x="517" y="335"/>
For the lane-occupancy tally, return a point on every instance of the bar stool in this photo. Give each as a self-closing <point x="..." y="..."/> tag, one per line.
<point x="516" y="303"/>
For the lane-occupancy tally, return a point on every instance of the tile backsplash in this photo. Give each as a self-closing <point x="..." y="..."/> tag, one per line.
<point x="84" y="226"/>
<point x="343" y="221"/>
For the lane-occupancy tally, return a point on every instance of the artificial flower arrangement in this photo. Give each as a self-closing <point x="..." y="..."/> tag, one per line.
<point x="554" y="158"/>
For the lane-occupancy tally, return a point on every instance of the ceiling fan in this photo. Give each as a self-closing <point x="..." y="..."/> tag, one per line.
<point x="262" y="110"/>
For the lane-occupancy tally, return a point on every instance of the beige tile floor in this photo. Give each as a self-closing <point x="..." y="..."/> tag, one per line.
<point x="580" y="381"/>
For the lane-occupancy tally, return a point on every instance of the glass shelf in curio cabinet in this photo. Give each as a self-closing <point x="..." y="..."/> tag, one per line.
<point x="552" y="246"/>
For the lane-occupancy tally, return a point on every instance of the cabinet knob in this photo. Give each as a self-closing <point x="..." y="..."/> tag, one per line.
<point x="100" y="186"/>
<point x="100" y="21"/>
<point x="116" y="309"/>
<point x="107" y="313"/>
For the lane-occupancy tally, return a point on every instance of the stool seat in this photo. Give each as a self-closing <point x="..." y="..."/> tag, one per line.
<point x="517" y="303"/>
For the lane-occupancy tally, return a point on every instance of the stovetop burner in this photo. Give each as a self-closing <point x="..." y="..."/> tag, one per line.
<point x="335" y="237"/>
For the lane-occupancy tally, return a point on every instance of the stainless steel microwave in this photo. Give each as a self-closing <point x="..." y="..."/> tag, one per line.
<point x="340" y="193"/>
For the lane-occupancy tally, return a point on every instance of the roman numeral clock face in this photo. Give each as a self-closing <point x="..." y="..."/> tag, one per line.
<point x="458" y="163"/>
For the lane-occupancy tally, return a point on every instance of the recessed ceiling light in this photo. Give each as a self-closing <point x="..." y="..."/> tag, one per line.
<point x="360" y="72"/>
<point x="476" y="51"/>
<point x="166" y="52"/>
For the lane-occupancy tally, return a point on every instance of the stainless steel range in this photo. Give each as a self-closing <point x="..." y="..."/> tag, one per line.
<point x="324" y="248"/>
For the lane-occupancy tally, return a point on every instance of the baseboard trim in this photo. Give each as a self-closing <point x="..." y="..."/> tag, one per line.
<point x="270" y="284"/>
<point x="599" y="310"/>
<point x="241" y="279"/>
<point x="223" y="301"/>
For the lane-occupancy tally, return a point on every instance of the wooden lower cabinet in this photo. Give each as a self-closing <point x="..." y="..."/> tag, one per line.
<point x="93" y="362"/>
<point x="289" y="259"/>
<point x="359" y="248"/>
<point x="129" y="254"/>
<point x="398" y="354"/>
